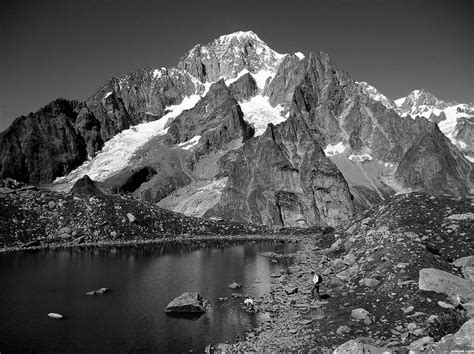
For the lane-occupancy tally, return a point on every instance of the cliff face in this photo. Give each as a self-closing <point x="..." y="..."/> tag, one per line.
<point x="44" y="144"/>
<point x="434" y="165"/>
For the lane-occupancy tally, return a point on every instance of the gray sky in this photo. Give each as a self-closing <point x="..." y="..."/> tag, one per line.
<point x="62" y="48"/>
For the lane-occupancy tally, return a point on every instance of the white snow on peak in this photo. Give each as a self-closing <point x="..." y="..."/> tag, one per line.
<point x="239" y="35"/>
<point x="107" y="94"/>
<point x="261" y="78"/>
<point x="375" y="94"/>
<point x="118" y="151"/>
<point x="258" y="112"/>
<point x="332" y="150"/>
<point x="400" y="101"/>
<point x="187" y="145"/>
<point x="300" y="55"/>
<point x="158" y="72"/>
<point x="239" y="75"/>
<point x="360" y="158"/>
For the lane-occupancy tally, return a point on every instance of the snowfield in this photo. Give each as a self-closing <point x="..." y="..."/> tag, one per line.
<point x="118" y="151"/>
<point x="258" y="112"/>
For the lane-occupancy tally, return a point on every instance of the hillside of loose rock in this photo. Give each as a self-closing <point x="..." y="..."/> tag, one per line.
<point x="34" y="217"/>
<point x="371" y="289"/>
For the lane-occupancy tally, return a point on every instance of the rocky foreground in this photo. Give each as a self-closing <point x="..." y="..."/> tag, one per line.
<point x="395" y="277"/>
<point x="374" y="270"/>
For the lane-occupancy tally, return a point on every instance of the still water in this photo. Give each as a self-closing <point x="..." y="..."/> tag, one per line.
<point x="130" y="317"/>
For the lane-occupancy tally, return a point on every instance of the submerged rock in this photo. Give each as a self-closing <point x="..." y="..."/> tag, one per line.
<point x="234" y="285"/>
<point x="188" y="302"/>
<point x="100" y="291"/>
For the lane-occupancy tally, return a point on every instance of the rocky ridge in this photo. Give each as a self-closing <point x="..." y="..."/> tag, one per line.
<point x="37" y="218"/>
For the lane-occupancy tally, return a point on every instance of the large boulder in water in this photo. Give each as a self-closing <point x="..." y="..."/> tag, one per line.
<point x="86" y="186"/>
<point x="188" y="302"/>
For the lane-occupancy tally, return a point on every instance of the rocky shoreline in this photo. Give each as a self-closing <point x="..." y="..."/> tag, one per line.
<point x="197" y="241"/>
<point x="374" y="291"/>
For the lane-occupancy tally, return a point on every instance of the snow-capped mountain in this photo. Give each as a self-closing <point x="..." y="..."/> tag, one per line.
<point x="231" y="56"/>
<point x="239" y="131"/>
<point x="455" y="120"/>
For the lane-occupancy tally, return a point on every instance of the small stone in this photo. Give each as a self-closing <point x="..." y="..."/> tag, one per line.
<point x="234" y="285"/>
<point x="51" y="204"/>
<point x="360" y="314"/>
<point x="408" y="309"/>
<point x="343" y="330"/>
<point x="370" y="282"/>
<point x="291" y="289"/>
<point x="445" y="305"/>
<point x="131" y="218"/>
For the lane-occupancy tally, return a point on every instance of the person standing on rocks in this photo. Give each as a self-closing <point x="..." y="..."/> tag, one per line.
<point x="317" y="280"/>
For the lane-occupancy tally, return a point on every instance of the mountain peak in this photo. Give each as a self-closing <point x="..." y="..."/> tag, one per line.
<point x="239" y="35"/>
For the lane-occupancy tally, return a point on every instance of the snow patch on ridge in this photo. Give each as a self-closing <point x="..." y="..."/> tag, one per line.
<point x="118" y="151"/>
<point x="300" y="55"/>
<point x="332" y="150"/>
<point x="360" y="158"/>
<point x="187" y="145"/>
<point x="258" y="112"/>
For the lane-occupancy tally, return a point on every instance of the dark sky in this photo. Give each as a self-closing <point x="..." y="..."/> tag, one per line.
<point x="65" y="48"/>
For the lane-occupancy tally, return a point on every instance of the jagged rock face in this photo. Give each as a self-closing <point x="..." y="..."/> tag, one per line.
<point x="89" y="128"/>
<point x="465" y="133"/>
<point x="244" y="88"/>
<point x="282" y="86"/>
<point x="283" y="178"/>
<point x="338" y="111"/>
<point x="229" y="55"/>
<point x="139" y="97"/>
<point x="432" y="164"/>
<point x="43" y="145"/>
<point x="217" y="119"/>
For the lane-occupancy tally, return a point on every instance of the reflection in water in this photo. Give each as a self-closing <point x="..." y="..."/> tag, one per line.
<point x="143" y="282"/>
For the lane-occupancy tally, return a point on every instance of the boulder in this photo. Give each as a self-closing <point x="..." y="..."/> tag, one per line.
<point x="460" y="217"/>
<point x="234" y="285"/>
<point x="131" y="218"/>
<point x="464" y="262"/>
<point x="420" y="344"/>
<point x="439" y="281"/>
<point x="86" y="186"/>
<point x="188" y="302"/>
<point x="462" y="340"/>
<point x="361" y="314"/>
<point x="55" y="316"/>
<point x="356" y="346"/>
<point x="291" y="289"/>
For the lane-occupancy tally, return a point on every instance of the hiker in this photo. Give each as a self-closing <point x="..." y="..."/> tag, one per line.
<point x="317" y="280"/>
<point x="250" y="304"/>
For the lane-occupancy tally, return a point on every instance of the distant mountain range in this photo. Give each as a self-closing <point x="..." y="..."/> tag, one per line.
<point x="239" y="131"/>
<point x="455" y="120"/>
